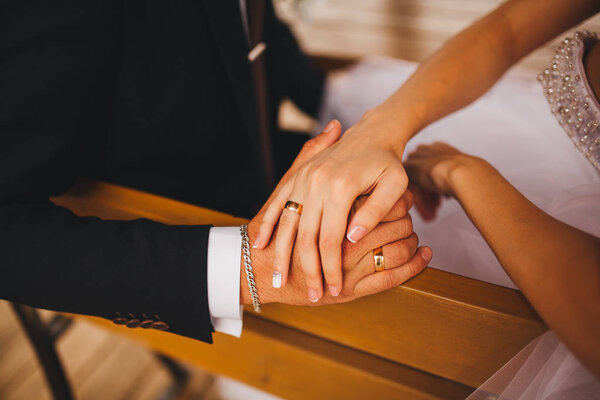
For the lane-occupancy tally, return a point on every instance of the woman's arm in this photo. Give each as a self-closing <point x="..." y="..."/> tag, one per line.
<point x="556" y="266"/>
<point x="473" y="60"/>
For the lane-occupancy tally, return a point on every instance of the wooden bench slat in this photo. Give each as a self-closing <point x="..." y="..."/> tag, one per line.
<point x="444" y="324"/>
<point x="296" y="365"/>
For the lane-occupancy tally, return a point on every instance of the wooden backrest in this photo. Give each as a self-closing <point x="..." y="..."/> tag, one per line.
<point x="436" y="336"/>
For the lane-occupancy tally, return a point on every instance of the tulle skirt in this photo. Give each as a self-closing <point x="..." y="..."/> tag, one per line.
<point x="511" y="127"/>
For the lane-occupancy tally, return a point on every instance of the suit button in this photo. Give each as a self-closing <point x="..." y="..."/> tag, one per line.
<point x="146" y="324"/>
<point x="133" y="323"/>
<point x="119" y="320"/>
<point x="160" y="325"/>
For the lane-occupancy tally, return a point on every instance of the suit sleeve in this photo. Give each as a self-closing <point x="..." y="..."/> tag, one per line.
<point x="57" y="74"/>
<point x="290" y="73"/>
<point x="56" y="260"/>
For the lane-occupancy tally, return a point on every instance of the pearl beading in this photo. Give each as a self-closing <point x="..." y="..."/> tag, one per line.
<point x="570" y="96"/>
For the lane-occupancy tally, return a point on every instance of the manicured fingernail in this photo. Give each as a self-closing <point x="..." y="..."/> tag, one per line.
<point x="276" y="279"/>
<point x="426" y="254"/>
<point x="256" y="243"/>
<point x="329" y="126"/>
<point x="356" y="233"/>
<point x="333" y="290"/>
<point x="313" y="296"/>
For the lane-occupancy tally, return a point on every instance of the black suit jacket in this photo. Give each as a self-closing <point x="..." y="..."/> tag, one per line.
<point x="149" y="94"/>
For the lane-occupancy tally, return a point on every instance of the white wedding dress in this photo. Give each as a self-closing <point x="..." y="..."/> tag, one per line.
<point x="512" y="127"/>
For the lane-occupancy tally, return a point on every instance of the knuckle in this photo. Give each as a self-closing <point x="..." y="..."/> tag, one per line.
<point x="319" y="173"/>
<point x="402" y="206"/>
<point x="388" y="281"/>
<point x="414" y="268"/>
<point x="310" y="146"/>
<point x="415" y="239"/>
<point x="279" y="261"/>
<point x="404" y="253"/>
<point x="272" y="213"/>
<point x="399" y="210"/>
<point x="265" y="220"/>
<point x="312" y="272"/>
<point x="340" y="182"/>
<point x="403" y="227"/>
<point x="407" y="201"/>
<point x="408" y="198"/>
<point x="397" y="171"/>
<point x="374" y="212"/>
<point x="408" y="224"/>
<point x="305" y="239"/>
<point x="398" y="254"/>
<point x="327" y="242"/>
<point x="301" y="175"/>
<point x="313" y="280"/>
<point x="286" y="221"/>
<point x="332" y="275"/>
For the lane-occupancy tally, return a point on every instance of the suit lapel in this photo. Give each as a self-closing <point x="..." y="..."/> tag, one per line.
<point x="226" y="22"/>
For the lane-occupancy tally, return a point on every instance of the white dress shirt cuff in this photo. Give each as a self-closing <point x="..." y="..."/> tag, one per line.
<point x="223" y="279"/>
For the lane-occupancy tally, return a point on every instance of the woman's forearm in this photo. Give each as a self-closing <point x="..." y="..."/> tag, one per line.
<point x="556" y="266"/>
<point x="473" y="60"/>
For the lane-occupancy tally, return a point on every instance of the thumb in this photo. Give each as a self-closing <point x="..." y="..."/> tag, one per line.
<point x="330" y="135"/>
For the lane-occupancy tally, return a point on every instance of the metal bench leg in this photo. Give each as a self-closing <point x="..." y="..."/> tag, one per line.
<point x="43" y="336"/>
<point x="179" y="373"/>
<point x="43" y="343"/>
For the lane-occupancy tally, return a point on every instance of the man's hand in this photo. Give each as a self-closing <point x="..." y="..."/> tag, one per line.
<point x="394" y="234"/>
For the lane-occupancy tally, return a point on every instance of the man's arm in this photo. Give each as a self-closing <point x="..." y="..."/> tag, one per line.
<point x="135" y="269"/>
<point x="57" y="76"/>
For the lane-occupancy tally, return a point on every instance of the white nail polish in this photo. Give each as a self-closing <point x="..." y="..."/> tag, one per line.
<point x="333" y="290"/>
<point x="276" y="280"/>
<point x="313" y="296"/>
<point x="355" y="234"/>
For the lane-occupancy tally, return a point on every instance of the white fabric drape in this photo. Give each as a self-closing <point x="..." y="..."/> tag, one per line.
<point x="511" y="127"/>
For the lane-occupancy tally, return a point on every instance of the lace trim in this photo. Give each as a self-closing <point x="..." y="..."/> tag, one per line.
<point x="570" y="96"/>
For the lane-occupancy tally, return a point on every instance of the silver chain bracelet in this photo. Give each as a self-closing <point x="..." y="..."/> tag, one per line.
<point x="248" y="268"/>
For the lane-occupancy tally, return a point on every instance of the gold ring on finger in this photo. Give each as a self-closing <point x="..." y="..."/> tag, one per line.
<point x="379" y="259"/>
<point x="293" y="206"/>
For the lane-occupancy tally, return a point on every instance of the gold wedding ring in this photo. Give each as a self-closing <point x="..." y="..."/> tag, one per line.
<point x="293" y="206"/>
<point x="379" y="260"/>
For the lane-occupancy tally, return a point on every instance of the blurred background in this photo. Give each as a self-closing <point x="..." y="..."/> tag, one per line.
<point x="407" y="29"/>
<point x="102" y="365"/>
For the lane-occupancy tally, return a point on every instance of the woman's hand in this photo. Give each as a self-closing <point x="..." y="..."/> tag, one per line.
<point x="403" y="259"/>
<point x="362" y="162"/>
<point x="430" y="168"/>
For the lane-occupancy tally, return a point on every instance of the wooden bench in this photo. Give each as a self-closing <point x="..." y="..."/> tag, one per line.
<point x="439" y="335"/>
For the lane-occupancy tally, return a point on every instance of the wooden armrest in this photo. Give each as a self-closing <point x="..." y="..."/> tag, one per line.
<point x="436" y="336"/>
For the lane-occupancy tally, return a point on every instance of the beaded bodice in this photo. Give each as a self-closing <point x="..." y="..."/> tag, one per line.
<point x="570" y="96"/>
